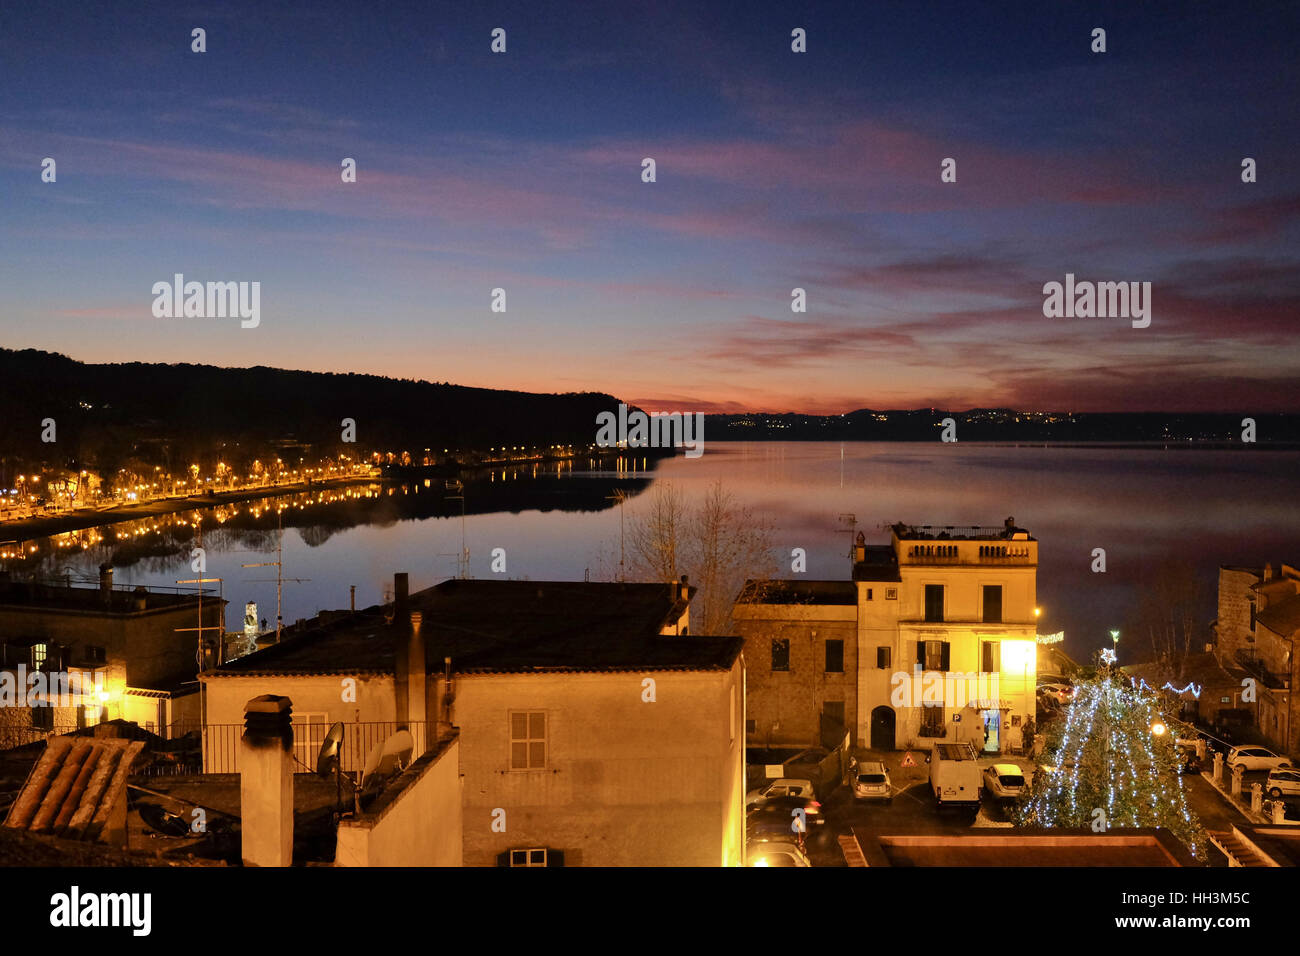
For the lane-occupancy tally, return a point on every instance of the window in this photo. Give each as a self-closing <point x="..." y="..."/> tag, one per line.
<point x="934" y="602"/>
<point x="780" y="655"/>
<point x="932" y="655"/>
<point x="527" y="740"/>
<point x="932" y="722"/>
<point x="992" y="604"/>
<point x="891" y="594"/>
<point x="94" y="655"/>
<point x="868" y="594"/>
<point x="528" y="857"/>
<point x="834" y="657"/>
<point x="992" y="659"/>
<point x="40" y="654"/>
<point x="884" y="657"/>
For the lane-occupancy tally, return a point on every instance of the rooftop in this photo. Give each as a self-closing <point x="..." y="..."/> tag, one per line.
<point x="798" y="592"/>
<point x="927" y="532"/>
<point x="492" y="626"/>
<point x="1282" y="617"/>
<point x="118" y="599"/>
<point x="879" y="563"/>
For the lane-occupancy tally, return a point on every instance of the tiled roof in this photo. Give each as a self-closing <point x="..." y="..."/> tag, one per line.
<point x="506" y="626"/>
<point x="75" y="787"/>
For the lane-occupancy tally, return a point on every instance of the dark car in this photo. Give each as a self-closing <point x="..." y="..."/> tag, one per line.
<point x="781" y="815"/>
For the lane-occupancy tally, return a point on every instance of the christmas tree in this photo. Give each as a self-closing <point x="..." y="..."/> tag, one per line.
<point x="1111" y="762"/>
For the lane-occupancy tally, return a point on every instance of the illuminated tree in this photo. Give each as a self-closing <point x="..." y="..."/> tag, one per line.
<point x="1111" y="762"/>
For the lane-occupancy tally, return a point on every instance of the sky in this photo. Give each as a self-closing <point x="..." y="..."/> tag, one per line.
<point x="775" y="170"/>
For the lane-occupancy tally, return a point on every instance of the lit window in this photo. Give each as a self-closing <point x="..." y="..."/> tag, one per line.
<point x="535" y="857"/>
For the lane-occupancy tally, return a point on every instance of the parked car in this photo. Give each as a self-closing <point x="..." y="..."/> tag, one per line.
<point x="775" y="851"/>
<point x="781" y="787"/>
<point x="1063" y="693"/>
<point x="871" y="782"/>
<point x="1004" y="781"/>
<point x="778" y="816"/>
<point x="1283" y="783"/>
<point x="1256" y="758"/>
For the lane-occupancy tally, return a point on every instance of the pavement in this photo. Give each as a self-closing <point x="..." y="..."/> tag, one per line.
<point x="913" y="806"/>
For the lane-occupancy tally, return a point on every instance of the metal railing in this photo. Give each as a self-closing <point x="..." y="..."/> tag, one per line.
<point x="221" y="744"/>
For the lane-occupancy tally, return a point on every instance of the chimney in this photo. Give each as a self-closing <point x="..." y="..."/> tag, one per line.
<point x="106" y="584"/>
<point x="417" y="683"/>
<point x="860" y="548"/>
<point x="684" y="592"/>
<point x="1268" y="571"/>
<point x="266" y="782"/>
<point x="401" y="595"/>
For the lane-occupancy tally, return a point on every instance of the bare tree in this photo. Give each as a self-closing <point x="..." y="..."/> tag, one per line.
<point x="718" y="542"/>
<point x="1170" y="614"/>
<point x="655" y="535"/>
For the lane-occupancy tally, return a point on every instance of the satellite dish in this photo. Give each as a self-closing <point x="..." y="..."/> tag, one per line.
<point x="387" y="758"/>
<point x="399" y="747"/>
<point x="327" y="761"/>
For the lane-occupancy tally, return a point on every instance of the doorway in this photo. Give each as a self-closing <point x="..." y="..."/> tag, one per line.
<point x="882" y="728"/>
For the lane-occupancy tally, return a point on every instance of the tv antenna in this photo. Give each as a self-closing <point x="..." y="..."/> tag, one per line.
<point x="462" y="559"/>
<point x="220" y="627"/>
<point x="278" y="564"/>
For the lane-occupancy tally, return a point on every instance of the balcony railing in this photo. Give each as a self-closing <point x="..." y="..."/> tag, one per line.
<point x="221" y="745"/>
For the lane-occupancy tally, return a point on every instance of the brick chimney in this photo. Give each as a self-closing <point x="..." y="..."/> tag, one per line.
<point x="266" y="781"/>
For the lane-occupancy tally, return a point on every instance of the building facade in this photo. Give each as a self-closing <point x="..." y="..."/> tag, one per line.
<point x="1256" y="631"/>
<point x="594" y="728"/>
<point x="943" y="633"/>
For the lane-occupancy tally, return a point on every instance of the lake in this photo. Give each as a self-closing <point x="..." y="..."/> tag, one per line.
<point x="1142" y="505"/>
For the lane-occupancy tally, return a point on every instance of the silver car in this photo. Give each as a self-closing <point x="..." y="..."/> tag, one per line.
<point x="1283" y="783"/>
<point x="871" y="782"/>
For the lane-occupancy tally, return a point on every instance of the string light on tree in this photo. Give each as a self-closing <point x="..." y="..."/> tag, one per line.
<point x="1112" y="752"/>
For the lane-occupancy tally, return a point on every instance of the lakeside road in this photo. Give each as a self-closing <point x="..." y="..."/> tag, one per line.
<point x="25" y="529"/>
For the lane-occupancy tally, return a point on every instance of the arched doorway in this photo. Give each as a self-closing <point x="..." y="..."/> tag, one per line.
<point x="882" y="728"/>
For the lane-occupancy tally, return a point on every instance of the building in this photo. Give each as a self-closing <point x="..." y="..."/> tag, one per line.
<point x="1255" y="632"/>
<point x="594" y="729"/>
<point x="136" y="649"/>
<point x="938" y="634"/>
<point x="801" y="659"/>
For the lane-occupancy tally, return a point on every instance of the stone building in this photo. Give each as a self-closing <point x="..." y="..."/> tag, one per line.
<point x="1256" y="631"/>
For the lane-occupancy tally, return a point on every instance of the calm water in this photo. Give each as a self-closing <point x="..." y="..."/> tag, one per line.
<point x="1143" y="506"/>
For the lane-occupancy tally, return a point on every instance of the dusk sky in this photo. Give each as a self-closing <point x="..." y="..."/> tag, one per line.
<point x="775" y="170"/>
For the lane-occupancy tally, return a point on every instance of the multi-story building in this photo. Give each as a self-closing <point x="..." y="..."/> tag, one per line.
<point x="944" y="623"/>
<point x="136" y="647"/>
<point x="594" y="728"/>
<point x="1256" y="631"/>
